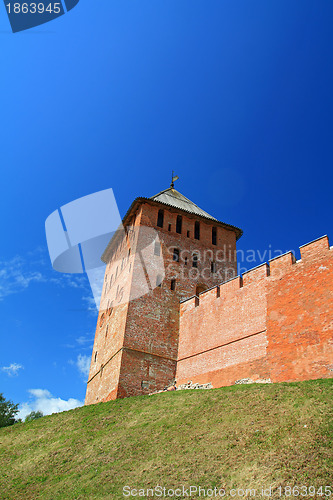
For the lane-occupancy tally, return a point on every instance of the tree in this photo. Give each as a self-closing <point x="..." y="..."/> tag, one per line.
<point x="8" y="411"/>
<point x="33" y="416"/>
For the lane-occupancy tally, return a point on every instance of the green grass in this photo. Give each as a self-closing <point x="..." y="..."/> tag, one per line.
<point x="250" y="436"/>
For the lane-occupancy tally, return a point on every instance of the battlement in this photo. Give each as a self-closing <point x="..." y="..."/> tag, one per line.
<point x="275" y="268"/>
<point x="256" y="274"/>
<point x="272" y="323"/>
<point x="315" y="248"/>
<point x="281" y="264"/>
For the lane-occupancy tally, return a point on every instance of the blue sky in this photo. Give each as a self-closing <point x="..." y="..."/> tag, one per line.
<point x="235" y="96"/>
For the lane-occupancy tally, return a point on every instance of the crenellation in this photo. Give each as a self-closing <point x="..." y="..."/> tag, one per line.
<point x="256" y="274"/>
<point x="281" y="264"/>
<point x="315" y="248"/>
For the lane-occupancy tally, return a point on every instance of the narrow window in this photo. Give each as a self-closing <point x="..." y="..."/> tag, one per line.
<point x="179" y="224"/>
<point x="101" y="370"/>
<point x="106" y="331"/>
<point x="106" y="277"/>
<point x="111" y="279"/>
<point x="175" y="255"/>
<point x="169" y="227"/>
<point x="173" y="285"/>
<point x="185" y="261"/>
<point x="197" y="230"/>
<point x="101" y="320"/>
<point x="213" y="267"/>
<point x="195" y="260"/>
<point x="157" y="249"/>
<point x="158" y="280"/>
<point x="188" y="234"/>
<point x="160" y="218"/>
<point x="214" y="239"/>
<point x="95" y="359"/>
<point x="218" y="292"/>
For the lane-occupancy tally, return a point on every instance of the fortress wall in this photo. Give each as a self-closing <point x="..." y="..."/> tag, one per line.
<point x="111" y="323"/>
<point x="154" y="329"/>
<point x="103" y="386"/>
<point x="281" y="265"/>
<point x="315" y="249"/>
<point x="144" y="373"/>
<point x="276" y="323"/>
<point x="300" y="317"/>
<point x="223" y="339"/>
<point x="136" y="340"/>
<point x="109" y="338"/>
<point x="256" y="274"/>
<point x="147" y="332"/>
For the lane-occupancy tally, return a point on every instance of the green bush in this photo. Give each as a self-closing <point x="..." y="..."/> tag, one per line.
<point x="8" y="411"/>
<point x="33" y="416"/>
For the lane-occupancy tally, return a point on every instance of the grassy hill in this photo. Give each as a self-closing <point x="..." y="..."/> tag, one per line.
<point x="247" y="436"/>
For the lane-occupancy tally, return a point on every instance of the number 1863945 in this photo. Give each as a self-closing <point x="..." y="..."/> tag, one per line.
<point x="33" y="8"/>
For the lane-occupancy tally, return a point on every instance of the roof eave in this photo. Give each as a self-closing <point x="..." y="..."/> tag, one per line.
<point x="237" y="230"/>
<point x="142" y="199"/>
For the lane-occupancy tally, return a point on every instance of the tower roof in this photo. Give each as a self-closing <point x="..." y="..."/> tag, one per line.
<point x="170" y="198"/>
<point x="173" y="198"/>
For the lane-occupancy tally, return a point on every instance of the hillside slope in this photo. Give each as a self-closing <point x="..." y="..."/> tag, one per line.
<point x="249" y="436"/>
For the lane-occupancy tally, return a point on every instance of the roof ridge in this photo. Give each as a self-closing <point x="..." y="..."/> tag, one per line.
<point x="172" y="197"/>
<point x="183" y="196"/>
<point x="165" y="190"/>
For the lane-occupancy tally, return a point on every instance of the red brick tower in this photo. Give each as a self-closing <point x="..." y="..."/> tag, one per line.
<point x="168" y="250"/>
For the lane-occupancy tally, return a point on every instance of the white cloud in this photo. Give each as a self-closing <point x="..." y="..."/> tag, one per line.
<point x="45" y="402"/>
<point x="83" y="364"/>
<point x="16" y="277"/>
<point x="83" y="342"/>
<point x="18" y="273"/>
<point x="91" y="304"/>
<point x="12" y="369"/>
<point x="40" y="393"/>
<point x="84" y="339"/>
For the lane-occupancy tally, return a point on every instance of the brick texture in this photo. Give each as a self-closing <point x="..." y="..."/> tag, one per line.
<point x="136" y="340"/>
<point x="276" y="324"/>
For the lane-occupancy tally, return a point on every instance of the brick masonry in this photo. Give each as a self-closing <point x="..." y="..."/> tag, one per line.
<point x="136" y="340"/>
<point x="274" y="323"/>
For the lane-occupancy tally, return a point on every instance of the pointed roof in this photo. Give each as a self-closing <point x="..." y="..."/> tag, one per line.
<point x="173" y="198"/>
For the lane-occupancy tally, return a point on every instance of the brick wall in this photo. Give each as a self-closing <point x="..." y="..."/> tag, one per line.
<point x="300" y="316"/>
<point x="152" y="324"/>
<point x="276" y="323"/>
<point x="136" y="337"/>
<point x="273" y="323"/>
